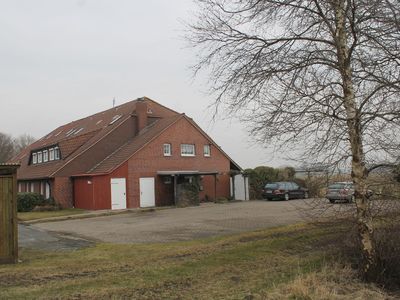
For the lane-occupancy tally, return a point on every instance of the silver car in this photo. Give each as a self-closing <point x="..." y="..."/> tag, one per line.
<point x="343" y="191"/>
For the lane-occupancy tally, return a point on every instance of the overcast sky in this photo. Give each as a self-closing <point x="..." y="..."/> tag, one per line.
<point x="61" y="60"/>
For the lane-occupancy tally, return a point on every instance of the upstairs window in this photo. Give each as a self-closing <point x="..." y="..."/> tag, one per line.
<point x="207" y="150"/>
<point x="45" y="156"/>
<point x="56" y="153"/>
<point x="39" y="157"/>
<point x="51" y="154"/>
<point x="167" y="150"/>
<point x="34" y="158"/>
<point x="187" y="150"/>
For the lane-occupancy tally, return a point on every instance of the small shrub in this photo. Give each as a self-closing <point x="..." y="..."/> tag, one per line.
<point x="388" y="254"/>
<point x="387" y="246"/>
<point x="28" y="201"/>
<point x="221" y="200"/>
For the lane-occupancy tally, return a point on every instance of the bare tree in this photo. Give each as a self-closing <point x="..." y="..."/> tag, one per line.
<point x="22" y="142"/>
<point x="6" y="147"/>
<point x="322" y="74"/>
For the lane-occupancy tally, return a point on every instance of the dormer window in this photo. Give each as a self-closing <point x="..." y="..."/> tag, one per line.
<point x="51" y="154"/>
<point x="45" y="156"/>
<point x="56" y="153"/>
<point x="39" y="157"/>
<point x="34" y="158"/>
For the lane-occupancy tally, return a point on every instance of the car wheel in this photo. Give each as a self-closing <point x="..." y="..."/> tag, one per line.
<point x="286" y="197"/>
<point x="331" y="200"/>
<point x="305" y="195"/>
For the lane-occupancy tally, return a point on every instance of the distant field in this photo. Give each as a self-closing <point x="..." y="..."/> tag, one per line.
<point x="294" y="262"/>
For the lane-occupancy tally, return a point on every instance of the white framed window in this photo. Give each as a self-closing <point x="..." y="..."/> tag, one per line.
<point x="45" y="155"/>
<point x="207" y="150"/>
<point x="39" y="157"/>
<point x="167" y="150"/>
<point x="188" y="150"/>
<point x="51" y="154"/>
<point x="56" y="153"/>
<point x="42" y="183"/>
<point x="34" y="158"/>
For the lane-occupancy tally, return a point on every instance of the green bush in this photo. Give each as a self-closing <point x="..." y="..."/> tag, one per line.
<point x="28" y="201"/>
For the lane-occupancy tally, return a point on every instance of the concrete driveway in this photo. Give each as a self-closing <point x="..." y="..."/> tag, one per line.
<point x="181" y="224"/>
<point x="36" y="238"/>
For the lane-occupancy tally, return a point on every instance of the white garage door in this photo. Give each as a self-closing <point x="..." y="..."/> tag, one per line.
<point x="118" y="193"/>
<point x="147" y="196"/>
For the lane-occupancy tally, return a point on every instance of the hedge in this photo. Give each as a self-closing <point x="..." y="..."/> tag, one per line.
<point x="28" y="201"/>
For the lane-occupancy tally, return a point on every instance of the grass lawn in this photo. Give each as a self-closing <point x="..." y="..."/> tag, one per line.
<point x="34" y="215"/>
<point x="294" y="262"/>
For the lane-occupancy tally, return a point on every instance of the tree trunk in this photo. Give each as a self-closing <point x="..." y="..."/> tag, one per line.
<point x="359" y="172"/>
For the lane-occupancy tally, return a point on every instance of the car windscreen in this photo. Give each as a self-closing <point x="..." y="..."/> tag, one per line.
<point x="272" y="186"/>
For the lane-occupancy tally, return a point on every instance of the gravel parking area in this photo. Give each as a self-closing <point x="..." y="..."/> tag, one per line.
<point x="180" y="224"/>
<point x="36" y="238"/>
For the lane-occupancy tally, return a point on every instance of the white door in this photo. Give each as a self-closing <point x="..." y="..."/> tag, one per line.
<point x="147" y="196"/>
<point x="118" y="193"/>
<point x="241" y="185"/>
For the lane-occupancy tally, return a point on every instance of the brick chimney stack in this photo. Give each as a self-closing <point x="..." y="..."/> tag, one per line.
<point x="141" y="114"/>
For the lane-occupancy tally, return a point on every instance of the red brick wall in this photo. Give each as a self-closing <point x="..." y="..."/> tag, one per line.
<point x="62" y="191"/>
<point x="146" y="163"/>
<point x="150" y="159"/>
<point x="97" y="194"/>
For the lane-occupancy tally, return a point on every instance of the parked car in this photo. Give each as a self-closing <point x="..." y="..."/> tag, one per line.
<point x="284" y="190"/>
<point x="342" y="191"/>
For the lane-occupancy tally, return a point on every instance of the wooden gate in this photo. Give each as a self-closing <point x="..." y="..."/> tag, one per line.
<point x="8" y="214"/>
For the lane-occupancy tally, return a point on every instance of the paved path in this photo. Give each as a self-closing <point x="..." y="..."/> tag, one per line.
<point x="182" y="223"/>
<point x="36" y="238"/>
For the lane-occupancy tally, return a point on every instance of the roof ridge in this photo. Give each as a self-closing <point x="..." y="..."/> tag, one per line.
<point x="151" y="100"/>
<point x="100" y="112"/>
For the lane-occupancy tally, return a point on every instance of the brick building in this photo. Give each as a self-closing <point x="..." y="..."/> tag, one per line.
<point x="134" y="155"/>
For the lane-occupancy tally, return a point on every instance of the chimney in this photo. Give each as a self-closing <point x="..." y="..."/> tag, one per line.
<point x="141" y="114"/>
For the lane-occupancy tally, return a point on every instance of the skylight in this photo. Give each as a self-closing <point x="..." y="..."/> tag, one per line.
<point x="79" y="130"/>
<point x="71" y="131"/>
<point x="115" y="119"/>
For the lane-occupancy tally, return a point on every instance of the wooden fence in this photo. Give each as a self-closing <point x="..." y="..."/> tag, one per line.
<point x="8" y="214"/>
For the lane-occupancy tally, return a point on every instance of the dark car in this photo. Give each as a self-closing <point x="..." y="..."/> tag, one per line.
<point x="284" y="190"/>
